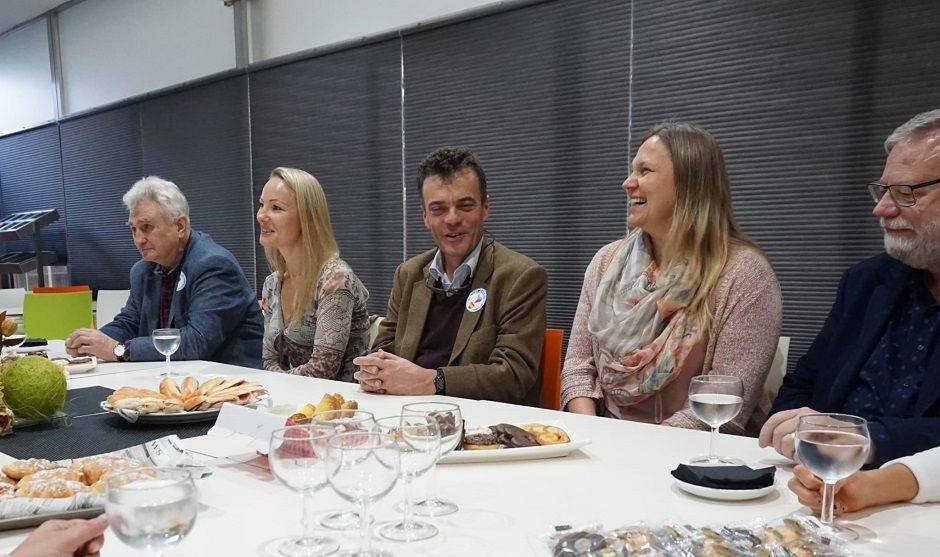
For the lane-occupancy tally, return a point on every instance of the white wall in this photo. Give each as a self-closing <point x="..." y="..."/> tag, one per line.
<point x="27" y="96"/>
<point x="116" y="49"/>
<point x="280" y="27"/>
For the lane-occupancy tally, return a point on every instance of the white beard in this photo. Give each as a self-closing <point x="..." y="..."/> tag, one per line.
<point x="920" y="252"/>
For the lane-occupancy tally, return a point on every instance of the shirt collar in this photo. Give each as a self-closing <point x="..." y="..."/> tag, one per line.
<point x="462" y="272"/>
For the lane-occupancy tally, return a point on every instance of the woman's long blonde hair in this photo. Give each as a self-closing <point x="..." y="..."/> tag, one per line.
<point x="703" y="227"/>
<point x="316" y="237"/>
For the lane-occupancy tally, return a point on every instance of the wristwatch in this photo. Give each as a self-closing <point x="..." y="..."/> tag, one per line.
<point x="439" y="382"/>
<point x="119" y="351"/>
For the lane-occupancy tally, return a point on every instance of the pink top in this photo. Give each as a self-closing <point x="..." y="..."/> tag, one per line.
<point x="746" y="314"/>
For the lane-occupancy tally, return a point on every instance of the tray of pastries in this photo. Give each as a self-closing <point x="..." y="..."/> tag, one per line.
<point x="189" y="401"/>
<point x="502" y="442"/>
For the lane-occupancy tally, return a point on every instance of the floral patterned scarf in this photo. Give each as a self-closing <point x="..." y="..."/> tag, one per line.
<point x="642" y="330"/>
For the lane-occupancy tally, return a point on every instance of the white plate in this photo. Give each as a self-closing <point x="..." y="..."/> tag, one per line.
<point x="185" y="417"/>
<point x="522" y="453"/>
<point x="724" y="494"/>
<point x="82" y="368"/>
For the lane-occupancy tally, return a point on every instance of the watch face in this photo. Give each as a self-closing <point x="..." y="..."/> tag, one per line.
<point x="119" y="350"/>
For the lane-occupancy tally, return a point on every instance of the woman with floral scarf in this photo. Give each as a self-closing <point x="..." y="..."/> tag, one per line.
<point x="685" y="293"/>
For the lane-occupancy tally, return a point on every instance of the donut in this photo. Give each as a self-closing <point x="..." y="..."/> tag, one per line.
<point x="547" y="434"/>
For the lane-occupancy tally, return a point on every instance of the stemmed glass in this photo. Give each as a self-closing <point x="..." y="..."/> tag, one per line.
<point x="362" y="468"/>
<point x="342" y="421"/>
<point x="167" y="342"/>
<point x="450" y="422"/>
<point x="716" y="400"/>
<point x="152" y="508"/>
<point x="831" y="446"/>
<point x="297" y="458"/>
<point x="419" y="442"/>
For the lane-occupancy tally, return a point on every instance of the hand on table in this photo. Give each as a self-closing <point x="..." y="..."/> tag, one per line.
<point x="861" y="490"/>
<point x="64" y="538"/>
<point x="91" y="342"/>
<point x="385" y="373"/>
<point x="780" y="430"/>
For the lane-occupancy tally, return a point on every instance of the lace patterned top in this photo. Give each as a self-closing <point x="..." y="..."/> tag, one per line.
<point x="333" y="330"/>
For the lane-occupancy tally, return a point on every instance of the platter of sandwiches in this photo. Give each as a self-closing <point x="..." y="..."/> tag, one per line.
<point x="189" y="401"/>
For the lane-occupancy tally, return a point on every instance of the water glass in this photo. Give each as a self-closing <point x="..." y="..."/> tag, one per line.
<point x="419" y="444"/>
<point x="167" y="342"/>
<point x="363" y="468"/>
<point x="152" y="508"/>
<point x="450" y="423"/>
<point x="343" y="421"/>
<point x="832" y="446"/>
<point x="297" y="457"/>
<point x="716" y="400"/>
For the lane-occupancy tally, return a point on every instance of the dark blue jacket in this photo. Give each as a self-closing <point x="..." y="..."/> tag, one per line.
<point x="216" y="310"/>
<point x="823" y="378"/>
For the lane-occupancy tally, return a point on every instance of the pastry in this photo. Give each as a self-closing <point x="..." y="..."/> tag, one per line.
<point x="480" y="440"/>
<point x="50" y="489"/>
<point x="98" y="467"/>
<point x="547" y="434"/>
<point x="20" y="468"/>
<point x="132" y="392"/>
<point x="169" y="388"/>
<point x="514" y="437"/>
<point x="52" y="474"/>
<point x="6" y="491"/>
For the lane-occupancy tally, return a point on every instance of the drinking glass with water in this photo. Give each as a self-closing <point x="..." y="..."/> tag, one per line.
<point x="152" y="508"/>
<point x="832" y="446"/>
<point x="167" y="342"/>
<point x="716" y="400"/>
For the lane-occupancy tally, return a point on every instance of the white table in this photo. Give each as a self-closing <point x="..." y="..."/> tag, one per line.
<point x="621" y="478"/>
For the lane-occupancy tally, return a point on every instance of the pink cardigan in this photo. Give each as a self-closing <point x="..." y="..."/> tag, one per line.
<point x="746" y="314"/>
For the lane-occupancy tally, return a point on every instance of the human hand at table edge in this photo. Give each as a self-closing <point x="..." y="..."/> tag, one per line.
<point x="91" y="342"/>
<point x="867" y="488"/>
<point x="780" y="430"/>
<point x="64" y="538"/>
<point x="385" y="373"/>
<point x="582" y="405"/>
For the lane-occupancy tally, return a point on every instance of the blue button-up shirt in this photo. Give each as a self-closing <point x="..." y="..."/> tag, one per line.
<point x="461" y="274"/>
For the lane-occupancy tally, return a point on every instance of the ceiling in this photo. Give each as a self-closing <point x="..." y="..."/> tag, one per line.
<point x="14" y="12"/>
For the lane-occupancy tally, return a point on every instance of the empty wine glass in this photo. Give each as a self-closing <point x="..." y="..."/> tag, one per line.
<point x="450" y="422"/>
<point x="152" y="508"/>
<point x="715" y="399"/>
<point x="297" y="457"/>
<point x="167" y="342"/>
<point x="419" y="444"/>
<point x="362" y="468"/>
<point x="342" y="421"/>
<point x="831" y="446"/>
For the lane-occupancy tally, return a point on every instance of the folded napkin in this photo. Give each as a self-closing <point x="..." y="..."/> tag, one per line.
<point x="725" y="477"/>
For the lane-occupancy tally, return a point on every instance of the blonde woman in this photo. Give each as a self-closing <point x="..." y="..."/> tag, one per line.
<point x="315" y="318"/>
<point x="685" y="293"/>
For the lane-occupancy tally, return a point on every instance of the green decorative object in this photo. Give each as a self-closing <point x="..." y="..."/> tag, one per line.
<point x="33" y="387"/>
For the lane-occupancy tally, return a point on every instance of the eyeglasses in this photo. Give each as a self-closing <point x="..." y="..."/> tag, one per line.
<point x="902" y="194"/>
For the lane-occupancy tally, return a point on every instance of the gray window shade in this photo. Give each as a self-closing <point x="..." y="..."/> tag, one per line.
<point x="801" y="97"/>
<point x="101" y="159"/>
<point x="30" y="179"/>
<point x="198" y="139"/>
<point x="541" y="95"/>
<point x="338" y="117"/>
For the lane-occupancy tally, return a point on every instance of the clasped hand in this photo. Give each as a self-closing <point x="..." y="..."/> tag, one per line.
<point x="91" y="342"/>
<point x="385" y="373"/>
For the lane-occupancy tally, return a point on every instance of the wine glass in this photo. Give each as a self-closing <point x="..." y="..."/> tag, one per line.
<point x="342" y="421"/>
<point x="297" y="458"/>
<point x="831" y="446"/>
<point x="450" y="422"/>
<point x="419" y="444"/>
<point x="166" y="341"/>
<point x="152" y="508"/>
<point x="362" y="468"/>
<point x="715" y="399"/>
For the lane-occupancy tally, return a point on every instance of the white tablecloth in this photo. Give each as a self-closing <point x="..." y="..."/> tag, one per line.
<point x="621" y="478"/>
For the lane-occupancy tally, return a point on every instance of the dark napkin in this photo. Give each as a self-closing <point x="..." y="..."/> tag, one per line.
<point x="725" y="477"/>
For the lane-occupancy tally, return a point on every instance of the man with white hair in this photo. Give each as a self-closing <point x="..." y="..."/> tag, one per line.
<point x="878" y="354"/>
<point x="185" y="281"/>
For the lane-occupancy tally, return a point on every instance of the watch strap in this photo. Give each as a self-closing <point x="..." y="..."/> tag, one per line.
<point x="439" y="384"/>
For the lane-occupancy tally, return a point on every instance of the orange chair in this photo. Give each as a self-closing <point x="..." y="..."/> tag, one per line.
<point x="60" y="289"/>
<point x="550" y="368"/>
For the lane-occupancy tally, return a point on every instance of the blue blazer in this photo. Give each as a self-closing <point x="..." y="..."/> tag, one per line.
<point x="823" y="378"/>
<point x="215" y="309"/>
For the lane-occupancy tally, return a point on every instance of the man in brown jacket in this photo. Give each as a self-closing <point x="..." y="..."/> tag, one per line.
<point x="466" y="319"/>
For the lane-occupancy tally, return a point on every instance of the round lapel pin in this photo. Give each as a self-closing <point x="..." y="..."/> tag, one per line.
<point x="476" y="300"/>
<point x="181" y="283"/>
